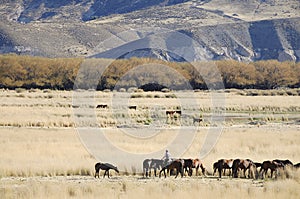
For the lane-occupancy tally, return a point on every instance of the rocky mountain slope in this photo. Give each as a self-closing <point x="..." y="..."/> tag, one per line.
<point x="240" y="29"/>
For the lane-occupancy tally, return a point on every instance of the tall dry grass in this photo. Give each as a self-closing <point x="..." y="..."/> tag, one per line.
<point x="134" y="187"/>
<point x="42" y="156"/>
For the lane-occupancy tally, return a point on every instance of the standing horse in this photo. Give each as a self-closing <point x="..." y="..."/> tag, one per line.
<point x="273" y="166"/>
<point x="244" y="165"/>
<point x="222" y="164"/>
<point x="106" y="167"/>
<point x="176" y="164"/>
<point x="149" y="164"/>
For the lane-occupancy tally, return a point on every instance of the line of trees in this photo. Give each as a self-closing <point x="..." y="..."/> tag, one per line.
<point x="60" y="73"/>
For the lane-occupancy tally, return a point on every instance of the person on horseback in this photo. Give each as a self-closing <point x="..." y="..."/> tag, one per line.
<point x="167" y="158"/>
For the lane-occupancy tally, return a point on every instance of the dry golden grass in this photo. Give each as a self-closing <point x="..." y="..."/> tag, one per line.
<point x="48" y="160"/>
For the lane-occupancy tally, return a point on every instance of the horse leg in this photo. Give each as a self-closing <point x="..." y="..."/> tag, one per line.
<point x="177" y="172"/>
<point x="203" y="171"/>
<point x="191" y="171"/>
<point x="104" y="173"/>
<point x="220" y="171"/>
<point x="215" y="169"/>
<point x="272" y="173"/>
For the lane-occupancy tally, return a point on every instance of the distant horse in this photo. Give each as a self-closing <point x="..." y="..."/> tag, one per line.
<point x="198" y="164"/>
<point x="244" y="165"/>
<point x="106" y="167"/>
<point x="176" y="164"/>
<point x="197" y="120"/>
<point x="273" y="166"/>
<point x="132" y="107"/>
<point x="222" y="164"/>
<point x="173" y="114"/>
<point x="297" y="166"/>
<point x="102" y="106"/>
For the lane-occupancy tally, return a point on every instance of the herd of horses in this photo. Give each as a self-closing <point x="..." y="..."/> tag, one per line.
<point x="236" y="167"/>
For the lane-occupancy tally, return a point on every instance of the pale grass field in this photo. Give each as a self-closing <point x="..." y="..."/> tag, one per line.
<point x="42" y="156"/>
<point x="52" y="163"/>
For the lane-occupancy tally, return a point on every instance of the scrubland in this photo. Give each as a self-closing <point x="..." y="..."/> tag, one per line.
<point x="42" y="155"/>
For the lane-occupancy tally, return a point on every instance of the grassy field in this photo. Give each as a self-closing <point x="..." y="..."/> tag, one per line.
<point x="42" y="156"/>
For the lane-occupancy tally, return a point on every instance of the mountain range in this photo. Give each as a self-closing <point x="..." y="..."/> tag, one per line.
<point x="245" y="30"/>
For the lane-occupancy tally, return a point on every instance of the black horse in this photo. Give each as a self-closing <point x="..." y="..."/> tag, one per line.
<point x="106" y="167"/>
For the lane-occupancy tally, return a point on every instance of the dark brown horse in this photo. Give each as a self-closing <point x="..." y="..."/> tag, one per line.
<point x="222" y="164"/>
<point x="175" y="164"/>
<point x="244" y="165"/>
<point x="106" y="167"/>
<point x="188" y="166"/>
<point x="297" y="166"/>
<point x="273" y="166"/>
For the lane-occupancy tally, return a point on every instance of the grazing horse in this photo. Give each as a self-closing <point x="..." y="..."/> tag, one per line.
<point x="198" y="164"/>
<point x="222" y="164"/>
<point x="102" y="106"/>
<point x="240" y="164"/>
<point x="197" y="120"/>
<point x="188" y="166"/>
<point x="273" y="166"/>
<point x="132" y="107"/>
<point x="106" y="167"/>
<point x="297" y="166"/>
<point x="175" y="164"/>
